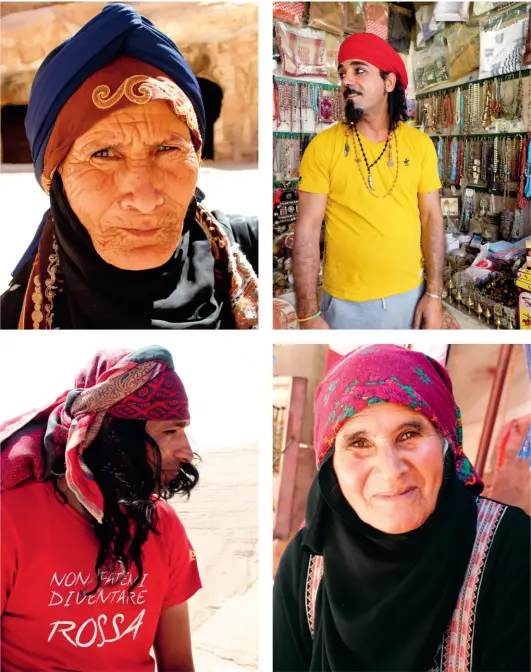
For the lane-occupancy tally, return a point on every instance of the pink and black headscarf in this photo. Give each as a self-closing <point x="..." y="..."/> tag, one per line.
<point x="139" y="385"/>
<point x="390" y="374"/>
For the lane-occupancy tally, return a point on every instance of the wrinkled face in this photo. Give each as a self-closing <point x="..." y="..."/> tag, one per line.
<point x="389" y="464"/>
<point x="363" y="88"/>
<point x="173" y="443"/>
<point x="130" y="179"/>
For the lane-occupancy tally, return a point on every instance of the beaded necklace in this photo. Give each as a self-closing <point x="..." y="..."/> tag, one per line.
<point x="487" y="117"/>
<point x="368" y="182"/>
<point x="446" y="112"/>
<point x="367" y="165"/>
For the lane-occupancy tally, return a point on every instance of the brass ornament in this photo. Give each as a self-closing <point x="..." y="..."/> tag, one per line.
<point x="498" y="312"/>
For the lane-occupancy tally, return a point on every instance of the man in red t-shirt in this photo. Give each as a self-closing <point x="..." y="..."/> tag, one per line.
<point x="96" y="567"/>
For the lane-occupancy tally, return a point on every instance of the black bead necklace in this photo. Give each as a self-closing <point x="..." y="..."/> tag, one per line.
<point x="369" y="166"/>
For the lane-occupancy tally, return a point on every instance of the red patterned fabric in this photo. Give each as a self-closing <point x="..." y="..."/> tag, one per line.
<point x="288" y="12"/>
<point x="457" y="651"/>
<point x="377" y="18"/>
<point x="139" y="385"/>
<point x="390" y="374"/>
<point x="374" y="50"/>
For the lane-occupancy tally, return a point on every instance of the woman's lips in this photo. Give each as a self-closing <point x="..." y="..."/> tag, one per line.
<point x="142" y="233"/>
<point x="397" y="495"/>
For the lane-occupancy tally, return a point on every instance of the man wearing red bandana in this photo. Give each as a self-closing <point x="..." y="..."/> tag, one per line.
<point x="374" y="181"/>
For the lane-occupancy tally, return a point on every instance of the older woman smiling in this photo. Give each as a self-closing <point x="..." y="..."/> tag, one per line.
<point x="401" y="565"/>
<point x="116" y="125"/>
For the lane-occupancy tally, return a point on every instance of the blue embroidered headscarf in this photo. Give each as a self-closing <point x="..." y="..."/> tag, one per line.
<point x="117" y="30"/>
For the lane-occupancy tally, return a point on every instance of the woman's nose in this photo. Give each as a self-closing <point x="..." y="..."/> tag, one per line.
<point x="389" y="462"/>
<point x="140" y="193"/>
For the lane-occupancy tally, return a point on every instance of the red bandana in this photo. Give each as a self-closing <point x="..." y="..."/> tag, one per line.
<point x="372" y="49"/>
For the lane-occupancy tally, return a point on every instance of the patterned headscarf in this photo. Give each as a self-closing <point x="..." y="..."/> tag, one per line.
<point x="139" y="385"/>
<point x="124" y="82"/>
<point x="390" y="374"/>
<point x="118" y="30"/>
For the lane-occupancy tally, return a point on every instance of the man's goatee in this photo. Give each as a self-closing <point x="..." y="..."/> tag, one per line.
<point x="353" y="114"/>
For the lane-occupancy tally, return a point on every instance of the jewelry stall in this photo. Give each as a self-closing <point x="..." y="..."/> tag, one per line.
<point x="470" y="91"/>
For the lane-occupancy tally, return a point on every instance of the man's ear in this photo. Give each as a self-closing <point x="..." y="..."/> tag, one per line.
<point x="390" y="82"/>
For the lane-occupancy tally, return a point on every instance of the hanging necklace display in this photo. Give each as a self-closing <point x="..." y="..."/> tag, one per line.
<point x="469" y="205"/>
<point x="512" y="111"/>
<point x="496" y="99"/>
<point x="462" y="107"/>
<point x="304" y="104"/>
<point x="484" y="160"/>
<point x="515" y="161"/>
<point x="326" y="108"/>
<point x="487" y="118"/>
<point x="446" y="112"/>
<point x="453" y="174"/>
<point x="476" y="91"/>
<point x="476" y="163"/>
<point x="527" y="188"/>
<point x="456" y="105"/>
<point x="521" y="200"/>
<point x="465" y="129"/>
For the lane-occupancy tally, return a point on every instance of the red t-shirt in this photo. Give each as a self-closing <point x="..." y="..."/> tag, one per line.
<point x="48" y="557"/>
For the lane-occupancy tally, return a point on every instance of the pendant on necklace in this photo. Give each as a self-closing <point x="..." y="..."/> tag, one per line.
<point x="390" y="163"/>
<point x="347" y="147"/>
<point x="370" y="182"/>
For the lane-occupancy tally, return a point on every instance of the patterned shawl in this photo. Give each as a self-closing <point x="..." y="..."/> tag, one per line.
<point x="390" y="374"/>
<point x="139" y="385"/>
<point x="46" y="279"/>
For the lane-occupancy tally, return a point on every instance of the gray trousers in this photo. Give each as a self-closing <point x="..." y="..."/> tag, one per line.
<point x="393" y="312"/>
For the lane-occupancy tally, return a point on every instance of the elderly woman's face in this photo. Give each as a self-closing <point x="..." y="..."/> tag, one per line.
<point x="389" y="463"/>
<point x="130" y="180"/>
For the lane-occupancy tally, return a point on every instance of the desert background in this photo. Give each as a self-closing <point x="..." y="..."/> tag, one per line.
<point x="221" y="519"/>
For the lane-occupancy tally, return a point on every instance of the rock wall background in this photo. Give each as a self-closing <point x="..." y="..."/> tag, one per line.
<point x="219" y="40"/>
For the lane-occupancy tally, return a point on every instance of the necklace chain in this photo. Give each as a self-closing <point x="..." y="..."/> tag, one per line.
<point x="368" y="181"/>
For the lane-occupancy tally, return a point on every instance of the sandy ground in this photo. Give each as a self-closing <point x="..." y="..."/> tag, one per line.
<point x="221" y="519"/>
<point x="227" y="187"/>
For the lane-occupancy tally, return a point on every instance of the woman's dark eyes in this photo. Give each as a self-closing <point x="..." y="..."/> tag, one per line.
<point x="359" y="443"/>
<point x="169" y="148"/>
<point x="100" y="154"/>
<point x="107" y="153"/>
<point x="170" y="431"/>
<point x="410" y="434"/>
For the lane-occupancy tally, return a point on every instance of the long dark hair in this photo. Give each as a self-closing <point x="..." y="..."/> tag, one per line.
<point x="396" y="103"/>
<point x="118" y="460"/>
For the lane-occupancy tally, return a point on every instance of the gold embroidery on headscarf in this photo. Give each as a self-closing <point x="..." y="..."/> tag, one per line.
<point x="102" y="98"/>
<point x="183" y="108"/>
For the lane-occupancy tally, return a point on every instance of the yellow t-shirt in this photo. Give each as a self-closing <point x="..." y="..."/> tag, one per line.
<point x="372" y="245"/>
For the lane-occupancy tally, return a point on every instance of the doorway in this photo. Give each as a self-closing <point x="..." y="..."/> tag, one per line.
<point x="212" y="95"/>
<point x="15" y="145"/>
